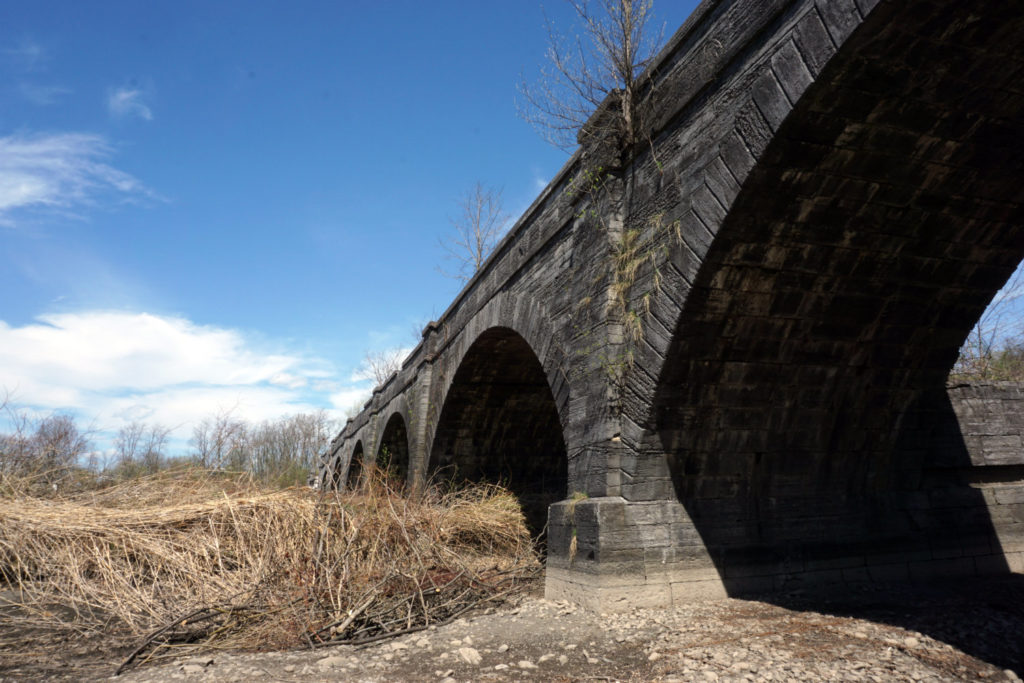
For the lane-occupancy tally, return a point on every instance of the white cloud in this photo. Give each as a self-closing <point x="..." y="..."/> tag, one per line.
<point x="540" y="182"/>
<point x="63" y="171"/>
<point x="350" y="398"/>
<point x="114" y="367"/>
<point x="43" y="95"/>
<point x="128" y="102"/>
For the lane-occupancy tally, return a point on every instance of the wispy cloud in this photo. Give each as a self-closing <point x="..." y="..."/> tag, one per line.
<point x="26" y="55"/>
<point x="63" y="171"/>
<point x="113" y="367"/>
<point x="125" y="102"/>
<point x="43" y="95"/>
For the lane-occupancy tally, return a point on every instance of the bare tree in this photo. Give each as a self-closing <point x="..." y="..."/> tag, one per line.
<point x="126" y="443"/>
<point x="612" y="48"/>
<point x="380" y="365"/>
<point x="139" y="446"/>
<point x="288" y="449"/>
<point x="44" y="453"/>
<point x="154" y="444"/>
<point x="481" y="223"/>
<point x="218" y="440"/>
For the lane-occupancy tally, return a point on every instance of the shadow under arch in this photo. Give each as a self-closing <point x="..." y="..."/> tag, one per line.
<point x="500" y="423"/>
<point x="354" y="473"/>
<point x="393" y="449"/>
<point x="883" y="216"/>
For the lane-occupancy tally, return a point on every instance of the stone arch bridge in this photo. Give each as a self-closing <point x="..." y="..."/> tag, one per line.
<point x="716" y="362"/>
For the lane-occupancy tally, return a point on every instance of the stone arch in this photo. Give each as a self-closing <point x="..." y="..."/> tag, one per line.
<point x="500" y="417"/>
<point x="393" y="447"/>
<point x="355" y="466"/>
<point x="855" y="225"/>
<point x="528" y="319"/>
<point x="332" y="476"/>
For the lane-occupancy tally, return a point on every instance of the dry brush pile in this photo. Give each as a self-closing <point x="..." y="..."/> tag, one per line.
<point x="197" y="559"/>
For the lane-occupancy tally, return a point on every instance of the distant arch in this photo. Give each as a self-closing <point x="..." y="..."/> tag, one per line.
<point x="393" y="448"/>
<point x="354" y="473"/>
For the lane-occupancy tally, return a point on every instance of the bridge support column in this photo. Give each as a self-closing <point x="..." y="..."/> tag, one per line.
<point x="609" y="554"/>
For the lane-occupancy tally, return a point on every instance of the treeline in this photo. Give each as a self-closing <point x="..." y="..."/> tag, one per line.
<point x="993" y="362"/>
<point x="54" y="454"/>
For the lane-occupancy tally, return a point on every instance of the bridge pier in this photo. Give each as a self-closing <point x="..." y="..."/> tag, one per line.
<point x="610" y="554"/>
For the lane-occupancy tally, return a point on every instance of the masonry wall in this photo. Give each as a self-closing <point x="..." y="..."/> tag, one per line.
<point x="989" y="426"/>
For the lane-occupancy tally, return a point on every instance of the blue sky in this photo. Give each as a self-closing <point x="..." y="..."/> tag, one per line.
<point x="208" y="206"/>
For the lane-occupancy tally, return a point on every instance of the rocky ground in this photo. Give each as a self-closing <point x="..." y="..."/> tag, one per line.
<point x="938" y="632"/>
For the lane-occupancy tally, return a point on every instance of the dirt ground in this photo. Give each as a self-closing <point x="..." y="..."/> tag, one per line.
<point x="964" y="630"/>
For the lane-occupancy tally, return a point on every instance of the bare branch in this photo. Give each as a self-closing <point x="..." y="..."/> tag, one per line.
<point x="615" y="48"/>
<point x="380" y="365"/>
<point x="481" y="223"/>
<point x="994" y="349"/>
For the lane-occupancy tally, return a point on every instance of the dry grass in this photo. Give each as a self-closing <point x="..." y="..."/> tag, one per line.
<point x="198" y="558"/>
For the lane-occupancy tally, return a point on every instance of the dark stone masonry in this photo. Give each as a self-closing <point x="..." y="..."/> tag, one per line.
<point x="716" y="362"/>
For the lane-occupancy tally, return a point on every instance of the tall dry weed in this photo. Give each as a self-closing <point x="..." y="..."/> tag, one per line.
<point x="200" y="558"/>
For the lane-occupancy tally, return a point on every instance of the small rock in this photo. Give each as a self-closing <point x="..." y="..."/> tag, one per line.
<point x="470" y="655"/>
<point x="290" y="668"/>
<point x="1012" y="675"/>
<point x="192" y="669"/>
<point x="654" y="656"/>
<point x="527" y="664"/>
<point x="500" y="667"/>
<point x="399" y="646"/>
<point x="422" y="642"/>
<point x="467" y="641"/>
<point x="911" y="642"/>
<point x="545" y="657"/>
<point x="563" y="660"/>
<point x="330" y="662"/>
<point x="447" y="679"/>
<point x="710" y="676"/>
<point x="200" y="661"/>
<point x="570" y="646"/>
<point x="503" y="648"/>
<point x="448" y="673"/>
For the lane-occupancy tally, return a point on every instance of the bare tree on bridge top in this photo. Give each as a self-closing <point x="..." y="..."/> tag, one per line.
<point x="380" y="365"/>
<point x="481" y="223"/>
<point x="606" y="58"/>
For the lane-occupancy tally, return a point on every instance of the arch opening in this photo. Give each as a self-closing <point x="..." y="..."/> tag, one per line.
<point x="500" y="424"/>
<point x="355" y="467"/>
<point x="393" y="453"/>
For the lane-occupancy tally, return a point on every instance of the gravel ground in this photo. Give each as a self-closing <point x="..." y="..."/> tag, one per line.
<point x="964" y="630"/>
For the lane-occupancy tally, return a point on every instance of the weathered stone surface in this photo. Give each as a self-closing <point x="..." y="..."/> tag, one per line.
<point x="727" y="358"/>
